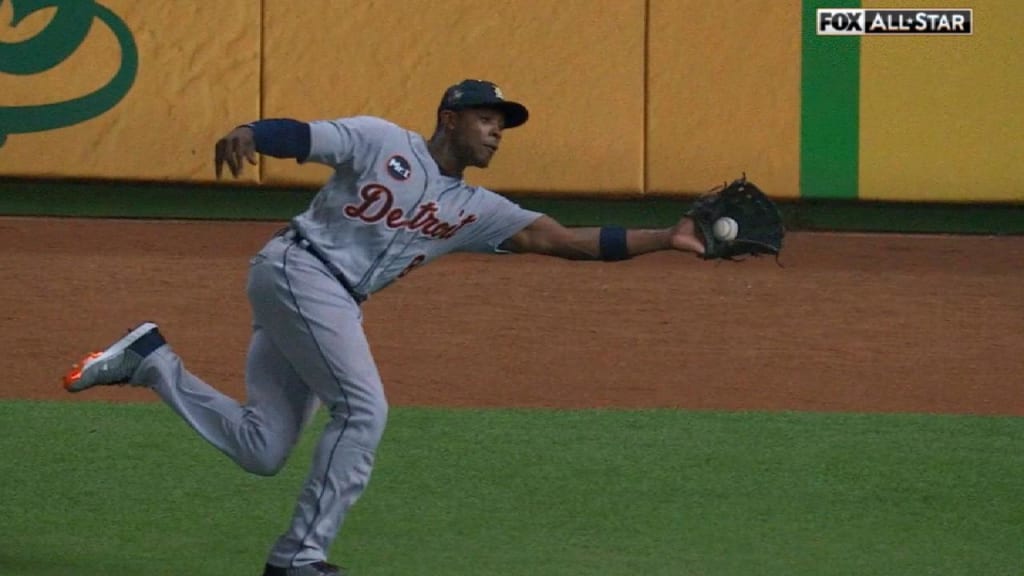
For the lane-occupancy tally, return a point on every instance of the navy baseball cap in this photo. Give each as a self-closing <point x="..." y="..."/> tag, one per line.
<point x="483" y="94"/>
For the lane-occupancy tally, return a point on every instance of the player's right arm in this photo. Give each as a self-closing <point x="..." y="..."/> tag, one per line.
<point x="504" y="226"/>
<point x="330" y="142"/>
<point x="548" y="237"/>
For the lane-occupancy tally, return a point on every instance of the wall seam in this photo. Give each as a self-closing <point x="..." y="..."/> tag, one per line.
<point x="645" y="87"/>
<point x="262" y="59"/>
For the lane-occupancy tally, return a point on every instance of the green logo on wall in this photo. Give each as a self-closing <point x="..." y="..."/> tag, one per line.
<point x="55" y="44"/>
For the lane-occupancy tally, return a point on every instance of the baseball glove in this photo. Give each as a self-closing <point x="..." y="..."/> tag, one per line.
<point x="756" y="227"/>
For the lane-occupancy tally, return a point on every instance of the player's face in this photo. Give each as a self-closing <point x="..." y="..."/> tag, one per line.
<point x="477" y="135"/>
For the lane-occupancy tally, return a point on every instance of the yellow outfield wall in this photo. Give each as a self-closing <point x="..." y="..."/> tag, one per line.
<point x="578" y="65"/>
<point x="627" y="97"/>
<point x="723" y="95"/>
<point x="942" y="118"/>
<point x="134" y="90"/>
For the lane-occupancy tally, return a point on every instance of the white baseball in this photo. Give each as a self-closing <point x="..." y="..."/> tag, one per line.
<point x="726" y="228"/>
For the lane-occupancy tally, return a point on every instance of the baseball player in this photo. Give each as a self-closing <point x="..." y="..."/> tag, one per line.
<point x="395" y="201"/>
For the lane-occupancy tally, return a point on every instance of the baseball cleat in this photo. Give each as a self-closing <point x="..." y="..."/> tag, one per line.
<point x="116" y="364"/>
<point x="314" y="569"/>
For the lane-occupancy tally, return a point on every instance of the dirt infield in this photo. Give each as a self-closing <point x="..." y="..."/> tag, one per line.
<point x="870" y="323"/>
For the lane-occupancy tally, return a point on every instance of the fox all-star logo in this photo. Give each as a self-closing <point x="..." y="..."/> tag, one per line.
<point x="65" y="33"/>
<point x="399" y="167"/>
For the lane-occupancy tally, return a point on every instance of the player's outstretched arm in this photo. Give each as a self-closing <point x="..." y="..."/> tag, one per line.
<point x="547" y="236"/>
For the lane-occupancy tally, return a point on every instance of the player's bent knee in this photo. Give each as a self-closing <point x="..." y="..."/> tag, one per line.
<point x="264" y="463"/>
<point x="263" y="467"/>
<point x="379" y="421"/>
<point x="365" y="421"/>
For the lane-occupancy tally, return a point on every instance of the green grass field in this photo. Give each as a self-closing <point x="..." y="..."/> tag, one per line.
<point x="101" y="489"/>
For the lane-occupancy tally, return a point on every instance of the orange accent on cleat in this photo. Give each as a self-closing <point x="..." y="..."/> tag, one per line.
<point x="76" y="370"/>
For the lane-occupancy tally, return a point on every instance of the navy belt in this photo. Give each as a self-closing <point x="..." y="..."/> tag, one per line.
<point x="290" y="233"/>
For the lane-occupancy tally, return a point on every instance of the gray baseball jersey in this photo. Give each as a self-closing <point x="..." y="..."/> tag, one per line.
<point x="386" y="210"/>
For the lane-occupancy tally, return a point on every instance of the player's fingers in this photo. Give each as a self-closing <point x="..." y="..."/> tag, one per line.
<point x="250" y="155"/>
<point x="233" y="157"/>
<point x="218" y="157"/>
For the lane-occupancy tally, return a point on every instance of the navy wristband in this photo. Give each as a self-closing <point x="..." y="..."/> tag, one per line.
<point x="613" y="243"/>
<point x="281" y="138"/>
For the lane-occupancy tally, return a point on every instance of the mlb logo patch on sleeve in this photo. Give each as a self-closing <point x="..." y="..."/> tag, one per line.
<point x="399" y="168"/>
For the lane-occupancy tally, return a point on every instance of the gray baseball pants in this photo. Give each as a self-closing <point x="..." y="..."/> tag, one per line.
<point x="307" y="348"/>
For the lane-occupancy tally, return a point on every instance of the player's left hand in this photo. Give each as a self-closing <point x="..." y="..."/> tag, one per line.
<point x="685" y="236"/>
<point x="237" y="146"/>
